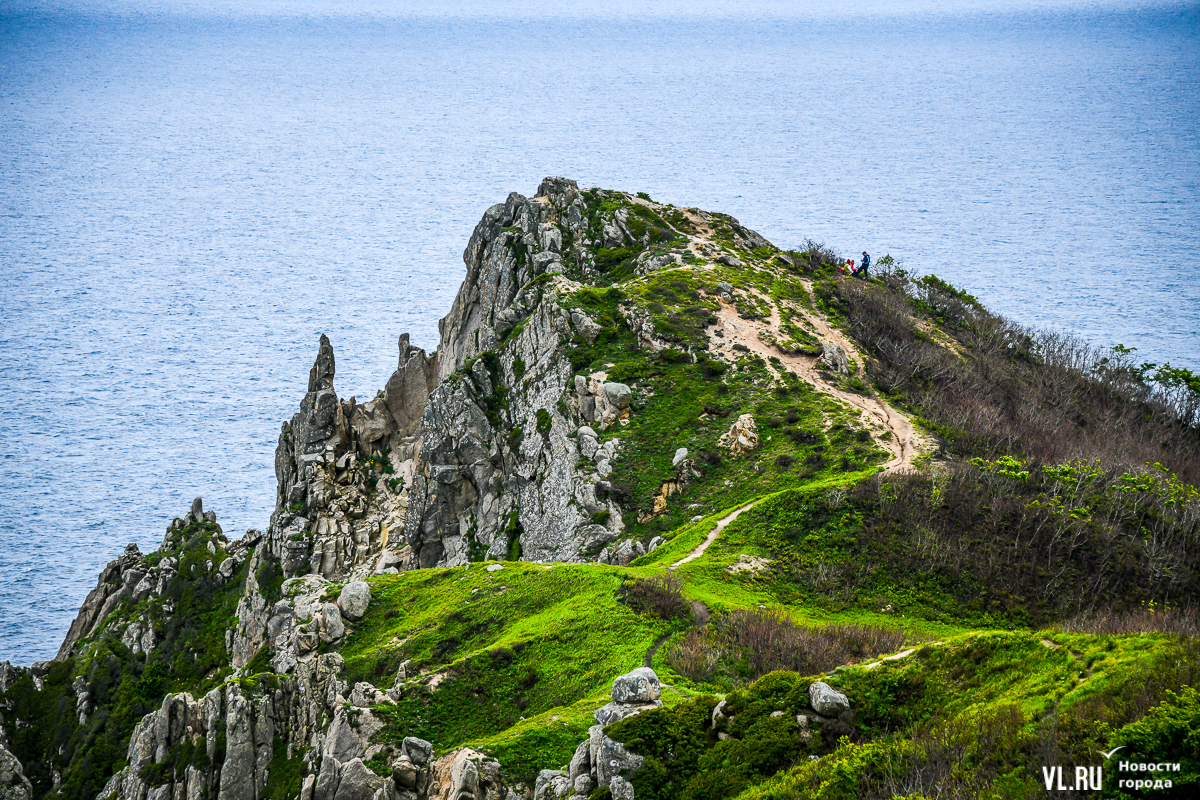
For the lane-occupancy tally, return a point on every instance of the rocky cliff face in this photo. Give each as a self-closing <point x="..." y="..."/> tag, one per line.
<point x="469" y="453"/>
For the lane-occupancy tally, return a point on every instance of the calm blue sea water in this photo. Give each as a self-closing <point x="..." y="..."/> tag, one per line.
<point x="187" y="200"/>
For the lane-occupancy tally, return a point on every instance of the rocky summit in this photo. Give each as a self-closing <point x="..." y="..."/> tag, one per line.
<point x="670" y="512"/>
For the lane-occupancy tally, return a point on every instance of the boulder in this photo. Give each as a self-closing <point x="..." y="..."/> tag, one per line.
<point x="586" y="326"/>
<point x="742" y="436"/>
<point x="418" y="750"/>
<point x="639" y="686"/>
<point x="581" y="763"/>
<point x="621" y="789"/>
<point x="354" y="599"/>
<point x="614" y="711"/>
<point x="618" y="395"/>
<point x="329" y="621"/>
<point x="552" y="784"/>
<point x="405" y="772"/>
<point x="625" y="551"/>
<point x="589" y="442"/>
<point x="594" y="536"/>
<point x="834" y="357"/>
<point x="610" y="758"/>
<point x="826" y="700"/>
<point x="680" y="455"/>
<point x="729" y="260"/>
<point x="718" y="713"/>
<point x="357" y="782"/>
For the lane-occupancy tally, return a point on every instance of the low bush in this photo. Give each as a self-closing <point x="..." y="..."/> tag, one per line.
<point x="661" y="596"/>
<point x="1148" y="619"/>
<point x="745" y="644"/>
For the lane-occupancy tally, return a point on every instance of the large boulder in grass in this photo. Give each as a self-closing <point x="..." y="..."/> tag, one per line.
<point x="640" y="686"/>
<point x="354" y="599"/>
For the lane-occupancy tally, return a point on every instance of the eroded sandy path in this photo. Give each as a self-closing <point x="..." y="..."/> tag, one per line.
<point x="904" y="442"/>
<point x="712" y="536"/>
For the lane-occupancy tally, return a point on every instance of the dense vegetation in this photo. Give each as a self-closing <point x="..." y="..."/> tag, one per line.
<point x="189" y="622"/>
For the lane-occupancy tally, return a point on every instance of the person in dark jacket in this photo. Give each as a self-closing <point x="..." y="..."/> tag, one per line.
<point x="866" y="263"/>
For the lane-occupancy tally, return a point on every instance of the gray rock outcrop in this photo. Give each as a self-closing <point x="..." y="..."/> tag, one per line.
<point x="826" y="700"/>
<point x="834" y="357"/>
<point x="299" y="711"/>
<point x="640" y="686"/>
<point x="497" y="475"/>
<point x="13" y="783"/>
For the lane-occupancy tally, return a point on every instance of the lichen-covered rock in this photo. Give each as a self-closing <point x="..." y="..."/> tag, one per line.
<point x="826" y="700"/>
<point x="329" y="620"/>
<point x="639" y="686"/>
<point x="742" y="436"/>
<point x="553" y="784"/>
<point x="610" y="758"/>
<point x="498" y="475"/>
<point x="614" y="711"/>
<point x="834" y="357"/>
<point x="418" y="750"/>
<point x="620" y="788"/>
<point x="354" y="599"/>
<point x="13" y="783"/>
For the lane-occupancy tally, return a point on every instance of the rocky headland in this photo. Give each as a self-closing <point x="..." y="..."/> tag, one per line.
<point x="647" y="432"/>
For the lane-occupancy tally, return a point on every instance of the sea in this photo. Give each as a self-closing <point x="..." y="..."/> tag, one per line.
<point x="191" y="193"/>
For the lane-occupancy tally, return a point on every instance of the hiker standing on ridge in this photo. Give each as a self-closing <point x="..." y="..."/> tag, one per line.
<point x="866" y="263"/>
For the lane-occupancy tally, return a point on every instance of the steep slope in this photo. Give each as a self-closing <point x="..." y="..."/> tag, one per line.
<point x="647" y="434"/>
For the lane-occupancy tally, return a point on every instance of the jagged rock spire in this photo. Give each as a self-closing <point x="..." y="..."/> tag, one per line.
<point x="321" y="375"/>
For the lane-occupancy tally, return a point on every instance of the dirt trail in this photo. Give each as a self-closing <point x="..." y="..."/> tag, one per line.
<point x="700" y="613"/>
<point x="700" y="617"/>
<point x="712" y="537"/>
<point x="904" y="442"/>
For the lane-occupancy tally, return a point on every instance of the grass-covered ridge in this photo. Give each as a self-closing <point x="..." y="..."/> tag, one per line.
<point x="489" y="648"/>
<point x="689" y="399"/>
<point x="971" y="716"/>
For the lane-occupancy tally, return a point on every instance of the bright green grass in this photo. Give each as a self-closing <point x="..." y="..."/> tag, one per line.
<point x="991" y="697"/>
<point x="512" y="643"/>
<point x="548" y="740"/>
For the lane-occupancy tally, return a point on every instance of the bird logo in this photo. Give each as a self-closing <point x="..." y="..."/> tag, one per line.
<point x="1109" y="754"/>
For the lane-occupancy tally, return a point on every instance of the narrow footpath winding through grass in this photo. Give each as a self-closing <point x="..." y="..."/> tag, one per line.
<point x="712" y="537"/>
